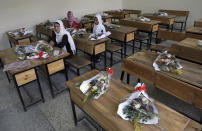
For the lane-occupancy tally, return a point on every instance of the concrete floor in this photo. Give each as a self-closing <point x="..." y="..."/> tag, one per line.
<point x="56" y="114"/>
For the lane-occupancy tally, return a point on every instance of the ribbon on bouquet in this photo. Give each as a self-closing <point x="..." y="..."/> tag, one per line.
<point x="141" y="88"/>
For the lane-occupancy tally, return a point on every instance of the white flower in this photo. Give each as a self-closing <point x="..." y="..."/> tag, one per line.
<point x="145" y="101"/>
<point x="168" y="55"/>
<point x="137" y="106"/>
<point x="95" y="87"/>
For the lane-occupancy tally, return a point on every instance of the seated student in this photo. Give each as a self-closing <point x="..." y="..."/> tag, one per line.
<point x="62" y="38"/>
<point x="72" y="22"/>
<point x="98" y="29"/>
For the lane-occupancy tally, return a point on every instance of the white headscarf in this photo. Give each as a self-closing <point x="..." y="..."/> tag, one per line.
<point x="60" y="35"/>
<point x="97" y="29"/>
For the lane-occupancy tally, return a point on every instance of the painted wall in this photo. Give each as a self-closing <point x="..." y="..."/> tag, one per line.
<point x="27" y="13"/>
<point x="151" y="6"/>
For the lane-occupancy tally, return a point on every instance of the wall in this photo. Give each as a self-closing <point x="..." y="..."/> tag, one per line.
<point x="151" y="6"/>
<point x="27" y="13"/>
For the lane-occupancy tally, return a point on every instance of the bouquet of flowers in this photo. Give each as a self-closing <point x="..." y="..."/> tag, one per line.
<point x="48" y="24"/>
<point x="99" y="36"/>
<point x="138" y="108"/>
<point x="20" y="32"/>
<point x="143" y="19"/>
<point x="96" y="86"/>
<point x="167" y="62"/>
<point x="44" y="47"/>
<point x="111" y="26"/>
<point x="26" y="52"/>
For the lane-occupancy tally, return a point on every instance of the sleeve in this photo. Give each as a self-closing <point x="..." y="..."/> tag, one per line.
<point x="71" y="44"/>
<point x="63" y="42"/>
<point x="53" y="38"/>
<point x="103" y="29"/>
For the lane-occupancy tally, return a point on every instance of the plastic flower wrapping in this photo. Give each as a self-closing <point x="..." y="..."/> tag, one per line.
<point x="138" y="108"/>
<point x="20" y="32"/>
<point x="96" y="86"/>
<point x="143" y="19"/>
<point x="111" y="26"/>
<point x="99" y="36"/>
<point x="33" y="52"/>
<point x="167" y="62"/>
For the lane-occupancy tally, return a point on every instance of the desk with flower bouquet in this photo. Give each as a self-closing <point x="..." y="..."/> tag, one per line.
<point x="15" y="36"/>
<point x="45" y="28"/>
<point x="165" y="19"/>
<point x="143" y="25"/>
<point x="113" y="112"/>
<point x="121" y="33"/>
<point x="105" y="17"/>
<point x="21" y="63"/>
<point x="92" y="46"/>
<point x="86" y="23"/>
<point x="189" y="49"/>
<point x="194" y="30"/>
<point x="118" y="14"/>
<point x="177" y="77"/>
<point x="198" y="23"/>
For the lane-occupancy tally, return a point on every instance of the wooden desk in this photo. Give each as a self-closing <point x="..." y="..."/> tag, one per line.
<point x="187" y="86"/>
<point x="149" y="27"/>
<point x="124" y="34"/>
<point x="92" y="47"/>
<point x="14" y="39"/>
<point x="198" y="23"/>
<point x="107" y="18"/>
<point x="41" y="29"/>
<point x="104" y="110"/>
<point x="87" y="24"/>
<point x="118" y="14"/>
<point x="188" y="49"/>
<point x="194" y="30"/>
<point x="25" y="75"/>
<point x="165" y="20"/>
<point x="131" y="11"/>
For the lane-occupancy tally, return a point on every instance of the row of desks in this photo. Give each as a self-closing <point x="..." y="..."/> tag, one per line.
<point x="103" y="110"/>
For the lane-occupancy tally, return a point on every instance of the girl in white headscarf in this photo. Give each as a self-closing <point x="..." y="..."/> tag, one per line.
<point x="98" y="27"/>
<point x="62" y="38"/>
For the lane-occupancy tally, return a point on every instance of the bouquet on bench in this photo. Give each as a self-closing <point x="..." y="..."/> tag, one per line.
<point x="138" y="108"/>
<point x="96" y="86"/>
<point x="167" y="62"/>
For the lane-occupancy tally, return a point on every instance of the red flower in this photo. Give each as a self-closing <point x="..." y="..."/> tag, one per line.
<point x="40" y="54"/>
<point x="141" y="88"/>
<point x="110" y="71"/>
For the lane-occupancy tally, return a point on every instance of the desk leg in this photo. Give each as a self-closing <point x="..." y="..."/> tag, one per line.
<point x="122" y="75"/>
<point x="74" y="111"/>
<point x="128" y="78"/>
<point x="172" y="28"/>
<point x="19" y="93"/>
<point x="105" y="59"/>
<point x="40" y="90"/>
<point x="49" y="81"/>
<point x="8" y="77"/>
<point x="10" y="43"/>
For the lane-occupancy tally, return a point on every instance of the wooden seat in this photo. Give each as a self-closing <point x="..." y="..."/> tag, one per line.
<point x="141" y="39"/>
<point x="159" y="48"/>
<point x="78" y="62"/>
<point x="113" y="48"/>
<point x="167" y="35"/>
